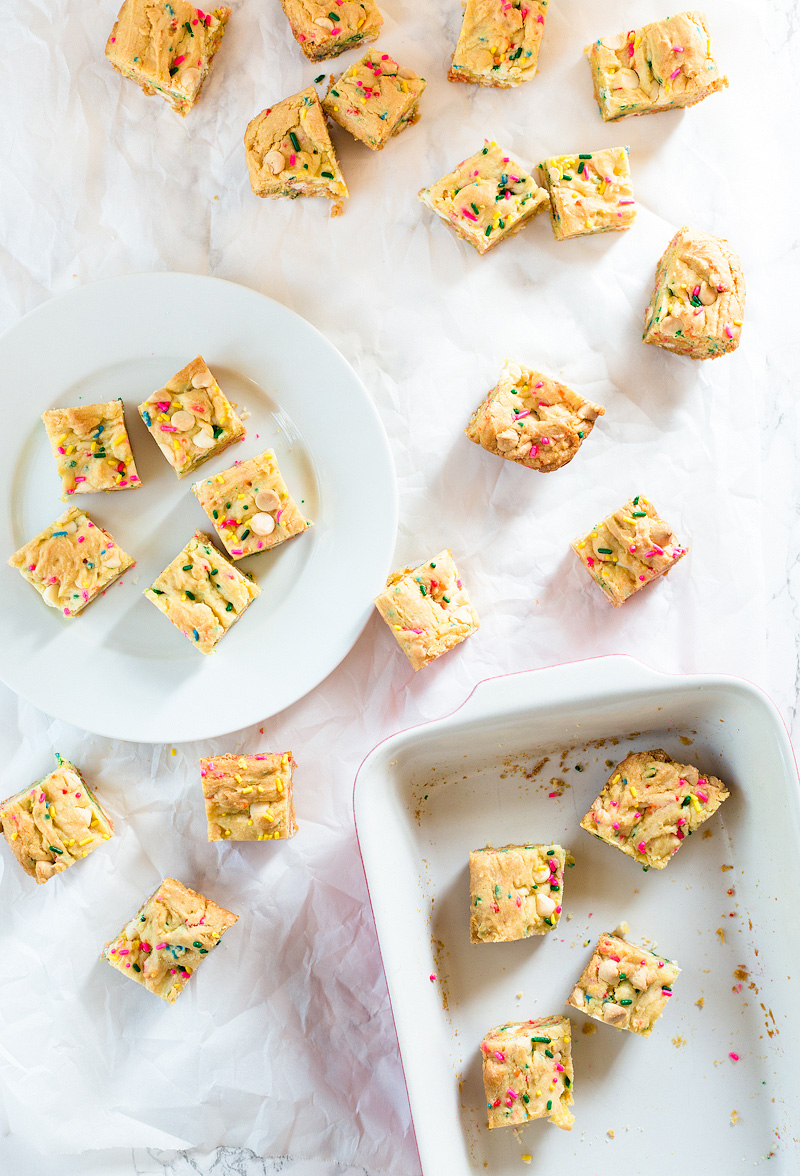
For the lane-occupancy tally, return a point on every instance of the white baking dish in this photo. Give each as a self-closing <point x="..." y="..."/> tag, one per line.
<point x="426" y="796"/>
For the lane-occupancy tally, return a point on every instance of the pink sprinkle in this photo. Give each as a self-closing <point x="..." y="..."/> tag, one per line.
<point x="466" y="212"/>
<point x="590" y="561"/>
<point x="432" y="977"/>
<point x="178" y="60"/>
<point x="626" y="202"/>
<point x="159" y="946"/>
<point x="632" y="547"/>
<point x="61" y="449"/>
<point x="519" y="901"/>
<point x="704" y="799"/>
<point x="677" y="49"/>
<point x="552" y="794"/>
<point x="278" y="515"/>
<point x="511" y="1094"/>
<point x="649" y="554"/>
<point x="674" y="74"/>
<point x="641" y="577"/>
<point x="534" y="451"/>
<point x="545" y="440"/>
<point x="733" y="1056"/>
<point x="81" y="479"/>
<point x="123" y="951"/>
<point x="301" y="37"/>
<point x="642" y="846"/>
<point x="520" y="415"/>
<point x="616" y="824"/>
<point x="236" y="551"/>
<point x="292" y="159"/>
<point x="558" y="910"/>
<point x="540" y="19"/>
<point x="459" y="584"/>
<point x="164" y="429"/>
<point x="500" y="1056"/>
<point x="42" y="798"/>
<point x="553" y="866"/>
<point x="729" y="332"/>
<point x="335" y="32"/>
<point x="539" y="385"/>
<point x="559" y="1067"/>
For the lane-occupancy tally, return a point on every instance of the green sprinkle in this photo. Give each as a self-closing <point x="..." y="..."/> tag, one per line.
<point x="245" y="533"/>
<point x="567" y="1081"/>
<point x="186" y="568"/>
<point x="636" y="500"/>
<point x="640" y="514"/>
<point x="319" y="79"/>
<point x="526" y="1097"/>
<point x="626" y="1002"/>
<point x="173" y="69"/>
<point x="332" y="16"/>
<point x="584" y="157"/>
<point x="136" y="968"/>
<point x="475" y="209"/>
<point x="433" y="565"/>
<point x="229" y="608"/>
<point x="215" y="514"/>
<point x="294" y="140"/>
<point x="188" y="28"/>
<point x="488" y="230"/>
<point x="549" y="1053"/>
<point x="197" y="943"/>
<point x="549" y="1104"/>
<point x="191" y="595"/>
<point x="217" y="432"/>
<point x="327" y="175"/>
<point x="546" y="1040"/>
<point x="446" y="599"/>
<point x="605" y="551"/>
<point x="686" y="800"/>
<point x="566" y="177"/>
<point x="423" y="590"/>
<point x="157" y="591"/>
<point x="54" y="849"/>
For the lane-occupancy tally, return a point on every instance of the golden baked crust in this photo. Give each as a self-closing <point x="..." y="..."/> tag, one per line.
<point x="628" y="549"/>
<point x="191" y="418"/>
<point x="249" y="797"/>
<point x="527" y="1072"/>
<point x="661" y="66"/>
<point x="168" y="939"/>
<point x="428" y="609"/>
<point x="625" y="985"/>
<point x="202" y="593"/>
<point x="488" y="197"/>
<point x="650" y="805"/>
<point x="54" y="823"/>
<point x="323" y="30"/>
<point x="91" y="448"/>
<point x="697" y="305"/>
<point x="71" y="562"/>
<point x="499" y="42"/>
<point x="532" y="419"/>
<point x="589" y="193"/>
<point x="166" y="47"/>
<point x="515" y="891"/>
<point x="250" y="506"/>
<point x="289" y="152"/>
<point x="374" y="99"/>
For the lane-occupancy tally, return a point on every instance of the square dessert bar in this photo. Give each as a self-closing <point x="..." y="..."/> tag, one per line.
<point x="515" y="891"/>
<point x="289" y="152"/>
<point x="532" y="419"/>
<point x="428" y="609"/>
<point x="166" y="46"/>
<point x="489" y="197"/>
<point x="324" y="29"/>
<point x="71" y="562"/>
<point x="250" y="506"/>
<point x="527" y="1072"/>
<point x="374" y="99"/>
<point x="628" y="549"/>
<point x="249" y="797"/>
<point x="202" y="593"/>
<point x="589" y="193"/>
<point x="54" y="823"/>
<point x="650" y="804"/>
<point x="168" y="939"/>
<point x="697" y="304"/>
<point x="624" y="985"/>
<point x="190" y="418"/>
<point x="660" y="66"/>
<point x="499" y="42"/>
<point x="91" y="447"/>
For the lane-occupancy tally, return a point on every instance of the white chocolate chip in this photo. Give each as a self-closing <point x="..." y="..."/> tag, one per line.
<point x="203" y="440"/>
<point x="70" y="527"/>
<point x="182" y="419"/>
<point x="132" y="930"/>
<point x="588" y="412"/>
<point x="613" y="1013"/>
<point x="112" y="559"/>
<point x="267" y="500"/>
<point x="275" y="162"/>
<point x="260" y="812"/>
<point x="608" y="972"/>
<point x="541" y="875"/>
<point x="626" y="79"/>
<point x="707" y="296"/>
<point x="50" y="595"/>
<point x="554" y="174"/>
<point x="324" y="23"/>
<point x="639" y="979"/>
<point x="84" y="814"/>
<point x="615" y="42"/>
<point x="409" y="74"/>
<point x="577" y="997"/>
<point x="262" y="524"/>
<point x="202" y="380"/>
<point x="189" y="77"/>
<point x="513" y="371"/>
<point x="544" y="905"/>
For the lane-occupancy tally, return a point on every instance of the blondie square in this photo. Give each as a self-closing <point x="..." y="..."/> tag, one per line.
<point x="589" y="193"/>
<point x="499" y="42"/>
<point x="249" y="797"/>
<point x="661" y="66"/>
<point x="515" y="891"/>
<point x="71" y="562"/>
<point x="532" y="419"/>
<point x="289" y="152"/>
<point x="628" y="549"/>
<point x="374" y="99"/>
<point x="488" y="197"/>
<point x="166" y="46"/>
<point x="191" y="418"/>
<point x="697" y="304"/>
<point x="91" y="448"/>
<point x="168" y="939"/>
<point x="428" y="609"/>
<point x="250" y="506"/>
<point x="624" y="985"/>
<point x="324" y="29"/>
<point x="527" y="1072"/>
<point x="54" y="823"/>
<point x="202" y="593"/>
<point x="650" y="805"/>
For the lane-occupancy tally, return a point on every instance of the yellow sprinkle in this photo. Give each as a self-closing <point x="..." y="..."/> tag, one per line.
<point x="616" y="778"/>
<point x="14" y="836"/>
<point x="219" y="478"/>
<point x="249" y="789"/>
<point x="737" y="322"/>
<point x="237" y="777"/>
<point x="404" y="85"/>
<point x="172" y="751"/>
<point x="261" y="788"/>
<point x="634" y="793"/>
<point x="86" y="841"/>
<point x="249" y="822"/>
<point x="106" y="836"/>
<point x="279" y="785"/>
<point x="695" y="803"/>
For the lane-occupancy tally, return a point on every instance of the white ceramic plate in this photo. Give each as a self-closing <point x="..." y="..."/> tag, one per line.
<point x="427" y="796"/>
<point x="120" y="668"/>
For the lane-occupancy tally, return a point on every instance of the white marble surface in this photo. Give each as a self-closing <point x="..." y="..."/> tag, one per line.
<point x="96" y="180"/>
